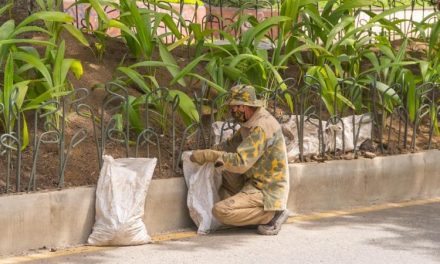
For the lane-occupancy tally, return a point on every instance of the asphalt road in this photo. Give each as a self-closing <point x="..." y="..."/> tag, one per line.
<point x="398" y="235"/>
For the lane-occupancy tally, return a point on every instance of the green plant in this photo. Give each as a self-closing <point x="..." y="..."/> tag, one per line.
<point x="8" y="96"/>
<point x="11" y="35"/>
<point x="54" y="27"/>
<point x="35" y="79"/>
<point x="12" y="99"/>
<point x="429" y="32"/>
<point x="239" y="60"/>
<point x="328" y="45"/>
<point x="157" y="99"/>
<point x="139" y="26"/>
<point x="7" y="7"/>
<point x="429" y="63"/>
<point x="241" y="3"/>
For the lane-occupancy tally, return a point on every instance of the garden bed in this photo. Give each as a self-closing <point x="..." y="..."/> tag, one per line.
<point x="83" y="165"/>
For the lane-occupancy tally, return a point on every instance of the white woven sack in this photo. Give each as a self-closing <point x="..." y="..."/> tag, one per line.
<point x="120" y="202"/>
<point x="203" y="184"/>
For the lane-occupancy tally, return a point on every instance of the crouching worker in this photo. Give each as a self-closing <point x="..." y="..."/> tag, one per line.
<point x="255" y="173"/>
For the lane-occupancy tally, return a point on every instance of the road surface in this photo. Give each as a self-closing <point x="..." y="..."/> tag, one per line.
<point x="406" y="233"/>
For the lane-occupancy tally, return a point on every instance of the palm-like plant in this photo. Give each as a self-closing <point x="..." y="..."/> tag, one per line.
<point x="139" y="26"/>
<point x="237" y="60"/>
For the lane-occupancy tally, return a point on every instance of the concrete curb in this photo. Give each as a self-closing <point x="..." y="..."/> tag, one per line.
<point x="65" y="218"/>
<point x="344" y="184"/>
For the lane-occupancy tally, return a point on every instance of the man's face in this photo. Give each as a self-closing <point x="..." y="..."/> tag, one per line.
<point x="240" y="113"/>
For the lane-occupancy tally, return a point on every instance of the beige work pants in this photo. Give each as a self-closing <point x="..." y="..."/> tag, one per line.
<point x="240" y="208"/>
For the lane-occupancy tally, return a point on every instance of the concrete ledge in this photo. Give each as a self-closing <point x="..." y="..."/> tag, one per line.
<point x="343" y="184"/>
<point x="29" y="221"/>
<point x="65" y="218"/>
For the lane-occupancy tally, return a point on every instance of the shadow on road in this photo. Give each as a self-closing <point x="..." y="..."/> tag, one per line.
<point x="414" y="228"/>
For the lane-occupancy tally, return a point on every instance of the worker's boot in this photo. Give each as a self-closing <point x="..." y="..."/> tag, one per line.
<point x="274" y="226"/>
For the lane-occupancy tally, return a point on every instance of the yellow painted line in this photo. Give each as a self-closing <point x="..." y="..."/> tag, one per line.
<point x="60" y="253"/>
<point x="189" y="234"/>
<point x="373" y="208"/>
<point x="89" y="249"/>
<point x="174" y="236"/>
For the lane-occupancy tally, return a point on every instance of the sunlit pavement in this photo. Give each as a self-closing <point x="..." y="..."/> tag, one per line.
<point x="406" y="234"/>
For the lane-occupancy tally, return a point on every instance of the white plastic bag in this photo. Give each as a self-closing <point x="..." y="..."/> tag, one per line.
<point x="223" y="131"/>
<point x="362" y="126"/>
<point x="203" y="184"/>
<point x="120" y="201"/>
<point x="310" y="137"/>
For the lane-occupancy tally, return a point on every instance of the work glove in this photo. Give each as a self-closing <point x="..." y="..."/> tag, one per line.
<point x="205" y="155"/>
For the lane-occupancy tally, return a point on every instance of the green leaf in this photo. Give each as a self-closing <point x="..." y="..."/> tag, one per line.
<point x="135" y="77"/>
<point x="36" y="102"/>
<point x="186" y="105"/>
<point x="424" y="67"/>
<point x="217" y="87"/>
<point x="337" y="29"/>
<point x="143" y="27"/>
<point x="235" y="74"/>
<point x="153" y="64"/>
<point x="77" y="68"/>
<point x="434" y="119"/>
<point x="96" y="5"/>
<point x="169" y="23"/>
<point x="4" y="8"/>
<point x="168" y="58"/>
<point x="134" y="114"/>
<point x="399" y="58"/>
<point x="434" y="40"/>
<point x="291" y="9"/>
<point x="30" y="41"/>
<point x="388" y="92"/>
<point x="26" y="29"/>
<point x="412" y="102"/>
<point x="196" y="29"/>
<point x="7" y="29"/>
<point x="48" y="16"/>
<point x="123" y="27"/>
<point x="57" y="67"/>
<point x="24" y="133"/>
<point x="8" y="85"/>
<point x="257" y="32"/>
<point x="21" y="88"/>
<point x="371" y="23"/>
<point x="77" y="34"/>
<point x="187" y="69"/>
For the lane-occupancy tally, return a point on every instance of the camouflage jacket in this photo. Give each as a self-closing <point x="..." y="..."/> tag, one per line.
<point x="258" y="151"/>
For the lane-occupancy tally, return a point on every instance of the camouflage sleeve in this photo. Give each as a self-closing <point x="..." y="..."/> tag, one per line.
<point x="230" y="144"/>
<point x="248" y="152"/>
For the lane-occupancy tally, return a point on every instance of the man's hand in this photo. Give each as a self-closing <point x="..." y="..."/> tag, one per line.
<point x="205" y="155"/>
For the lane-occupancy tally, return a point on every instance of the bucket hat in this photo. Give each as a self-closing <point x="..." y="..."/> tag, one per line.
<point x="244" y="95"/>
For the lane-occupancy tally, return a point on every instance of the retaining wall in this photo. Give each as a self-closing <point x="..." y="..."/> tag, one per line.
<point x="65" y="218"/>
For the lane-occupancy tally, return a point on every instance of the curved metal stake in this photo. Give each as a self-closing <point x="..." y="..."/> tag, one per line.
<point x="175" y="105"/>
<point x="144" y="135"/>
<point x="184" y="137"/>
<point x="5" y="141"/>
<point x="37" y="140"/>
<point x="95" y="132"/>
<point x="77" y="138"/>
